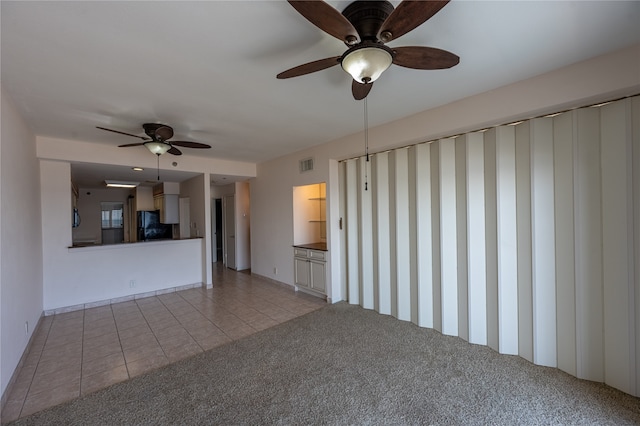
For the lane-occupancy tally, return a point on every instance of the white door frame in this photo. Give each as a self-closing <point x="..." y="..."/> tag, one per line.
<point x="228" y="201"/>
<point x="214" y="247"/>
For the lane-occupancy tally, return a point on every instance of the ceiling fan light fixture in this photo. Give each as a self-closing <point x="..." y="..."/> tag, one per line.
<point x="157" y="147"/>
<point x="366" y="64"/>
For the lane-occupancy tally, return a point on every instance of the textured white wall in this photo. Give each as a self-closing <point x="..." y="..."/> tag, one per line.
<point x="243" y="220"/>
<point x="198" y="191"/>
<point x="21" y="249"/>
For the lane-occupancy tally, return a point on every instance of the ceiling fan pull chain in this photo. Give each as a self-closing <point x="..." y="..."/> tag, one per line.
<point x="158" y="157"/>
<point x="366" y="143"/>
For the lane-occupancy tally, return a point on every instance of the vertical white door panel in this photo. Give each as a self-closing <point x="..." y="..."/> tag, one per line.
<point x="617" y="246"/>
<point x="424" y="238"/>
<point x="435" y="236"/>
<point x="413" y="233"/>
<point x="588" y="246"/>
<point x="564" y="149"/>
<point x="476" y="248"/>
<point x="491" y="235"/>
<point x="523" y="206"/>
<point x="543" y="242"/>
<point x="507" y="240"/>
<point x="365" y="239"/>
<point x="352" y="225"/>
<point x="635" y="257"/>
<point x="402" y="240"/>
<point x="461" y="235"/>
<point x="383" y="255"/>
<point x="448" y="237"/>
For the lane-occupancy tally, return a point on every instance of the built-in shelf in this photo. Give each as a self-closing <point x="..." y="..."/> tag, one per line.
<point x="310" y="213"/>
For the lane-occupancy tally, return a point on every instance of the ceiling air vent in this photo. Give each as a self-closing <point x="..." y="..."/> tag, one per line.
<point x="306" y="165"/>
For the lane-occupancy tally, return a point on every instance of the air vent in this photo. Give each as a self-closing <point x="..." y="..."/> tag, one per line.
<point x="306" y="165"/>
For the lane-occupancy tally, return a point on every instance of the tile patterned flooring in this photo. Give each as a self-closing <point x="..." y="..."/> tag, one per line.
<point x="76" y="353"/>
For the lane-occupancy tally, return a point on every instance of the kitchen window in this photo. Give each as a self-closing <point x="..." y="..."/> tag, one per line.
<point x="112" y="215"/>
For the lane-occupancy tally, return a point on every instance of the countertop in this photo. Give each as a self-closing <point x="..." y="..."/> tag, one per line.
<point x="80" y="244"/>
<point x="313" y="246"/>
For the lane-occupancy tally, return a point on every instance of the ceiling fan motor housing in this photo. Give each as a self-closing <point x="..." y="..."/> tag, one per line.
<point x="367" y="17"/>
<point x="157" y="131"/>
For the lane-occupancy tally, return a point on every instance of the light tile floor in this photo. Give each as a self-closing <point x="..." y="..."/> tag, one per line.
<point x="80" y="352"/>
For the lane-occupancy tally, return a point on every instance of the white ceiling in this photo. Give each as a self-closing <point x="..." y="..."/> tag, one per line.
<point x="208" y="68"/>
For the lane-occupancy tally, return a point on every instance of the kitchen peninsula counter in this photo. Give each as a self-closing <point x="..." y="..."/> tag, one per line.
<point x="77" y="246"/>
<point x="99" y="274"/>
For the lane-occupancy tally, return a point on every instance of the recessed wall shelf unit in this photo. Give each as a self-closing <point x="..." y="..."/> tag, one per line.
<point x="310" y="237"/>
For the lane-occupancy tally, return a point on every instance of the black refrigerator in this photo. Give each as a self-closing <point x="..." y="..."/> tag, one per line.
<point x="150" y="228"/>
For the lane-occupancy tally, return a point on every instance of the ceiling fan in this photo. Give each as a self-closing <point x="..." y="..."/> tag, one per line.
<point x="158" y="139"/>
<point x="365" y="27"/>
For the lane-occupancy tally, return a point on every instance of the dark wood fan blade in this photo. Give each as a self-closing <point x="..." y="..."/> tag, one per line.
<point x="310" y="67"/>
<point x="130" y="144"/>
<point x="122" y="133"/>
<point x="359" y="90"/>
<point x="191" y="144"/>
<point x="424" y="58"/>
<point x="174" y="151"/>
<point x="328" y="19"/>
<point x="408" y="15"/>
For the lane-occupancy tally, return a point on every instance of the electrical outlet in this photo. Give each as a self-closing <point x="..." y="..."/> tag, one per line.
<point x="132" y="284"/>
<point x="26" y="328"/>
<point x="275" y="271"/>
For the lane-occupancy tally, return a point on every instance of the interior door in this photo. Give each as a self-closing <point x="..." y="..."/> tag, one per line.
<point x="214" y="241"/>
<point x="230" y="231"/>
<point x="219" y="233"/>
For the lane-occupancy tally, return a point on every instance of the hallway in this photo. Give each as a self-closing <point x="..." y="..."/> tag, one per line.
<point x="80" y="352"/>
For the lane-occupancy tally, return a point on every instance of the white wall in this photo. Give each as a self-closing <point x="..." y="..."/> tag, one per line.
<point x="243" y="220"/>
<point x="272" y="214"/>
<point x="82" y="152"/>
<point x="193" y="189"/>
<point x="21" y="248"/>
<point x="219" y="191"/>
<point x="199" y="194"/>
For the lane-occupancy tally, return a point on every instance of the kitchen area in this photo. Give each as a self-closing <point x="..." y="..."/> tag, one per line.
<point x="82" y="270"/>
<point x="117" y="214"/>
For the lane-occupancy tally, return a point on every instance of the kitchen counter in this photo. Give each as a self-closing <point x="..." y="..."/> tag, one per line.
<point x="312" y="246"/>
<point x="80" y="245"/>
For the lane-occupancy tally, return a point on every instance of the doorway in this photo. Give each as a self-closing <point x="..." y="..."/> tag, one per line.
<point x="216" y="225"/>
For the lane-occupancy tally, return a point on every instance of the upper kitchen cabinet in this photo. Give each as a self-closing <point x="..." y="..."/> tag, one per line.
<point x="143" y="197"/>
<point x="166" y="199"/>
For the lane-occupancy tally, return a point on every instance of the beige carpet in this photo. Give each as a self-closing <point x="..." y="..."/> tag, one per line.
<point x="346" y="365"/>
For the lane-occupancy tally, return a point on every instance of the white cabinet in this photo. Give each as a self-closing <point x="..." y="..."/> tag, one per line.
<point x="165" y="199"/>
<point x="310" y="270"/>
<point x="168" y="205"/>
